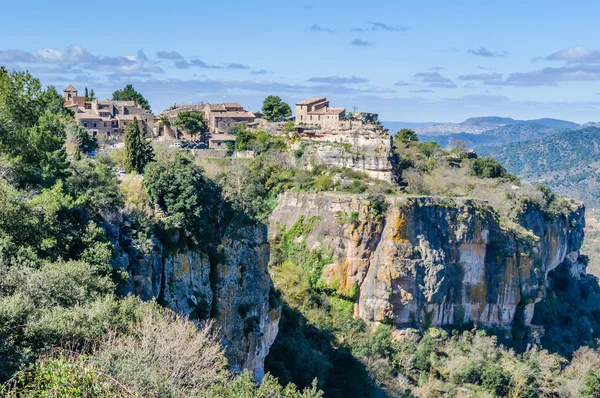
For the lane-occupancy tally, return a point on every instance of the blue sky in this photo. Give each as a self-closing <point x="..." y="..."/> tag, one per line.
<point x="408" y="61"/>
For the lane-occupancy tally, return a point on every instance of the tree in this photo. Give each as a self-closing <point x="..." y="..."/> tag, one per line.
<point x="90" y="96"/>
<point x="407" y="135"/>
<point x="192" y="122"/>
<point x="32" y="130"/>
<point x="129" y="94"/>
<point x="164" y="123"/>
<point x="191" y="201"/>
<point x="79" y="141"/>
<point x="487" y="167"/>
<point x="274" y="109"/>
<point x="138" y="152"/>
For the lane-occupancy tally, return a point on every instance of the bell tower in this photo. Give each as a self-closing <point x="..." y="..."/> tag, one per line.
<point x="69" y="93"/>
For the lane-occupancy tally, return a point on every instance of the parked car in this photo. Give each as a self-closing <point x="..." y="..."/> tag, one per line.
<point x="176" y="145"/>
<point x="201" y="145"/>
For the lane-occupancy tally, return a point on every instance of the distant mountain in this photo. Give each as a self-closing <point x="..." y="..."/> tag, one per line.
<point x="395" y="126"/>
<point x="517" y="132"/>
<point x="492" y="131"/>
<point x="568" y="161"/>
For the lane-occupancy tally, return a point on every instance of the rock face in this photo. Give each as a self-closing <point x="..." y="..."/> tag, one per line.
<point x="420" y="262"/>
<point x="367" y="151"/>
<point x="235" y="292"/>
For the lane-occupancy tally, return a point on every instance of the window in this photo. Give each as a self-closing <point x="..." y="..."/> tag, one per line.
<point x="84" y="124"/>
<point x="104" y="124"/>
<point x="94" y="124"/>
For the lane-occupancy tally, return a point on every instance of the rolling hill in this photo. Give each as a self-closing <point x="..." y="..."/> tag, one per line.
<point x="569" y="162"/>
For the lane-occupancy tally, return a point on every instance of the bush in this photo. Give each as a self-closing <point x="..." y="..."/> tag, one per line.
<point x="192" y="204"/>
<point x="487" y="167"/>
<point x="63" y="376"/>
<point x="496" y="380"/>
<point x="164" y="354"/>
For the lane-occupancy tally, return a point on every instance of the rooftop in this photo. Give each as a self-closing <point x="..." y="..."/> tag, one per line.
<point x="327" y="111"/>
<point x="312" y="101"/>
<point x="222" y="137"/>
<point x="233" y="114"/>
<point x="70" y="88"/>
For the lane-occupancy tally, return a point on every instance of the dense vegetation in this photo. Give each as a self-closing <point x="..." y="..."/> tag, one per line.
<point x="64" y="329"/>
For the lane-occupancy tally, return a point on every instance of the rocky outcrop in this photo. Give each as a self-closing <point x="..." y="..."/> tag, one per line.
<point x="368" y="151"/>
<point x="235" y="291"/>
<point x="420" y="262"/>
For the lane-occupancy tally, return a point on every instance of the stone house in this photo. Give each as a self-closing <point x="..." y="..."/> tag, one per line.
<point x="317" y="111"/>
<point x="221" y="117"/>
<point x="219" y="141"/>
<point x="106" y="118"/>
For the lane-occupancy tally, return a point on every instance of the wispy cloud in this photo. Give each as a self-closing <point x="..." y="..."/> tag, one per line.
<point x="259" y="72"/>
<point x="402" y="83"/>
<point x="195" y="63"/>
<point x="75" y="55"/>
<point x="575" y="54"/>
<point x="338" y="80"/>
<point x="377" y="26"/>
<point x="237" y="66"/>
<point x="553" y="76"/>
<point x="435" y="80"/>
<point x="437" y="68"/>
<point x="484" y="52"/>
<point x="361" y="43"/>
<point x="318" y="28"/>
<point x="443" y="85"/>
<point x="480" y="76"/>
<point x="423" y="91"/>
<point x="172" y="55"/>
<point x="432" y="77"/>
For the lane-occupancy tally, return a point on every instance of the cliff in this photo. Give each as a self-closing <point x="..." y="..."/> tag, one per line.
<point x="425" y="261"/>
<point x="235" y="292"/>
<point x="364" y="150"/>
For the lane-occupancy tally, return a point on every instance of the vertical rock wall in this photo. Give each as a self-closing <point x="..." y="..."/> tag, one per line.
<point x="235" y="291"/>
<point x="433" y="261"/>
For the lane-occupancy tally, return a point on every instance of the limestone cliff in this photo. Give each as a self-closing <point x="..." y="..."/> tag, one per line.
<point x="235" y="291"/>
<point x="368" y="151"/>
<point x="422" y="261"/>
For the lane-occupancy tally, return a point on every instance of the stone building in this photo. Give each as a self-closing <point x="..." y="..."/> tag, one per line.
<point x="221" y="117"/>
<point x="317" y="111"/>
<point x="106" y="118"/>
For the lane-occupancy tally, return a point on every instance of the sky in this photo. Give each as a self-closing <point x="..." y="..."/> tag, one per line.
<point x="428" y="61"/>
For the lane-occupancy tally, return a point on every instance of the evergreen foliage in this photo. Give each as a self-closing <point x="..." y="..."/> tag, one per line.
<point x="138" y="152"/>
<point x="274" y="109"/>
<point x="129" y="94"/>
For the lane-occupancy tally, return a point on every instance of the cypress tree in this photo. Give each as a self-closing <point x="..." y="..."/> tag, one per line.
<point x="138" y="152"/>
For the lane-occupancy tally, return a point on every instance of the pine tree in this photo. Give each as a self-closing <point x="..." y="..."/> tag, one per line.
<point x="138" y="152"/>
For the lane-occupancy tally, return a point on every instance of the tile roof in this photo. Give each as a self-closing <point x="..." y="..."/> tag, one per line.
<point x="222" y="137"/>
<point x="312" y="101"/>
<point x="88" y="116"/>
<point x="234" y="114"/>
<point x="327" y="111"/>
<point x="70" y="88"/>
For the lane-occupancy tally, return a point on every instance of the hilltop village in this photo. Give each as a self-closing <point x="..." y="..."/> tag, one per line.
<point x="354" y="140"/>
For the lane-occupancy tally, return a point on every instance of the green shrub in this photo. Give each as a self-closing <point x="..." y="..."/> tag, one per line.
<point x="496" y="380"/>
<point x="487" y="167"/>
